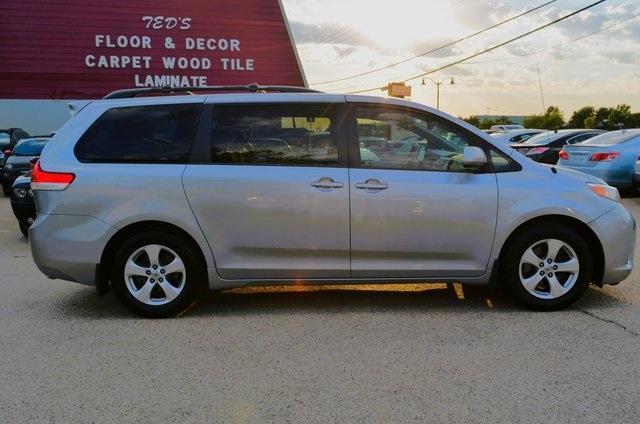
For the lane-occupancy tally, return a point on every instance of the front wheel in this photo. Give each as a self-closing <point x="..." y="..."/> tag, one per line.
<point x="157" y="274"/>
<point x="548" y="267"/>
<point x="24" y="227"/>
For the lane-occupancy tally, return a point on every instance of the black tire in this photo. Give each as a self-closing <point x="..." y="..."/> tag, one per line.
<point x="528" y="237"/>
<point x="24" y="228"/>
<point x="6" y="190"/>
<point x="194" y="283"/>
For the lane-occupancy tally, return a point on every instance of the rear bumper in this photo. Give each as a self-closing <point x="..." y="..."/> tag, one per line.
<point x="617" y="177"/>
<point x="617" y="232"/>
<point x="69" y="247"/>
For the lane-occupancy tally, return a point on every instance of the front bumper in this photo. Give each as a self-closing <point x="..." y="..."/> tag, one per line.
<point x="616" y="230"/>
<point x="69" y="247"/>
<point x="23" y="210"/>
<point x="8" y="178"/>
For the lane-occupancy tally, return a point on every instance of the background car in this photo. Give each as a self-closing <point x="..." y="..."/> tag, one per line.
<point x="546" y="146"/>
<point x="9" y="137"/>
<point x="22" y="202"/>
<point x="611" y="157"/>
<point x="19" y="161"/>
<point x="515" y="136"/>
<point x="506" y="127"/>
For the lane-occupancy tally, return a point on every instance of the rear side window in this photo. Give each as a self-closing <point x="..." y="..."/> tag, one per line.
<point x="141" y="134"/>
<point x="303" y="135"/>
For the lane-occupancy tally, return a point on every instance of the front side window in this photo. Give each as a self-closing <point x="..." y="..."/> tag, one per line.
<point x="304" y="135"/>
<point x="391" y="138"/>
<point x="142" y="134"/>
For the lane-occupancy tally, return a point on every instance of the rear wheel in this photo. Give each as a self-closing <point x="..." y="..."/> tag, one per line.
<point x="548" y="266"/>
<point x="157" y="274"/>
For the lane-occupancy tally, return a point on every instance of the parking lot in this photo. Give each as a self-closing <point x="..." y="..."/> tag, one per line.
<point x="350" y="354"/>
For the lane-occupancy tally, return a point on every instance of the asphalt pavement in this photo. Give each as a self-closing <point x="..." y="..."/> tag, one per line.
<point x="399" y="353"/>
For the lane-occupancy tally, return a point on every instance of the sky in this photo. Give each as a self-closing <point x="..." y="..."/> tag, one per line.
<point x="342" y="38"/>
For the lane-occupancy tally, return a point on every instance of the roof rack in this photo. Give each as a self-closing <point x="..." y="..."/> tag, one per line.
<point x="251" y="88"/>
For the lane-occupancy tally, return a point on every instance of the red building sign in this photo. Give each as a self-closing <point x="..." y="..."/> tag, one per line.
<point x="87" y="48"/>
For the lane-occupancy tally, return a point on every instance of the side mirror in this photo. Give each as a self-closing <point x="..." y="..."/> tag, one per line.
<point x="474" y="158"/>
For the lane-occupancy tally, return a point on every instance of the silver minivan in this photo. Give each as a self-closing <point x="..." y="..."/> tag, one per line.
<point x="160" y="197"/>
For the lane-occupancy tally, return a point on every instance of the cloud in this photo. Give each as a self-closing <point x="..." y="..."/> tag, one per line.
<point x="344" y="51"/>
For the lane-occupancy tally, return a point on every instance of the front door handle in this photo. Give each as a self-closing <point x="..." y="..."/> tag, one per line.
<point x="372" y="185"/>
<point x="327" y="183"/>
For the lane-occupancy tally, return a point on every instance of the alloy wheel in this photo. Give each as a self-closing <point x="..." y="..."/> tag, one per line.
<point x="155" y="275"/>
<point x="549" y="269"/>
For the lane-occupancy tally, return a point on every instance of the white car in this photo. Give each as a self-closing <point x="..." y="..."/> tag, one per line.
<point x="515" y="136"/>
<point x="506" y="127"/>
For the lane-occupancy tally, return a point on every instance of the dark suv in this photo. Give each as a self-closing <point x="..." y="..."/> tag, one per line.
<point x="8" y="139"/>
<point x="20" y="159"/>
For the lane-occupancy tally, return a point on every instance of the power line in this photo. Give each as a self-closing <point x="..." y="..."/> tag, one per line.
<point x="346" y="36"/>
<point x="437" y="48"/>
<point x="333" y="34"/>
<point x="608" y="27"/>
<point x="440" y="68"/>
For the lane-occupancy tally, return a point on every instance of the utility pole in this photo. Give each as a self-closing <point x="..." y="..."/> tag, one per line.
<point x="544" y="109"/>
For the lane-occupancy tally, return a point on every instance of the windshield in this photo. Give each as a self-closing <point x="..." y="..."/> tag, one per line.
<point x="30" y="147"/>
<point x="609" y="139"/>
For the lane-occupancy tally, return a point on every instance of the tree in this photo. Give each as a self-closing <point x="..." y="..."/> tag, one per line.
<point x="621" y="114"/>
<point x="579" y="117"/>
<point x="486" y="123"/>
<point x="602" y="118"/>
<point x="590" y="122"/>
<point x="503" y="120"/>
<point x="473" y="120"/>
<point x="551" y="120"/>
<point x="534" y="121"/>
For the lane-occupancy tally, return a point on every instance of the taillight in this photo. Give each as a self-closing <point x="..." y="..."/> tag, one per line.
<point x="537" y="150"/>
<point x="563" y="155"/>
<point x="44" y="180"/>
<point x="603" y="156"/>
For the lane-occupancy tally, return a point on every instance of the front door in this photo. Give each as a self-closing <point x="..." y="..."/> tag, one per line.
<point x="274" y="201"/>
<point x="415" y="211"/>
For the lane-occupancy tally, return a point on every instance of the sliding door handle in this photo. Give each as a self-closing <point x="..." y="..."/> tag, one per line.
<point x="372" y="185"/>
<point x="327" y="183"/>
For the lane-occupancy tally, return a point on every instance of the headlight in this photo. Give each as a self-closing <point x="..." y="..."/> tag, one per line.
<point x="20" y="193"/>
<point x="605" y="190"/>
<point x="8" y="168"/>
